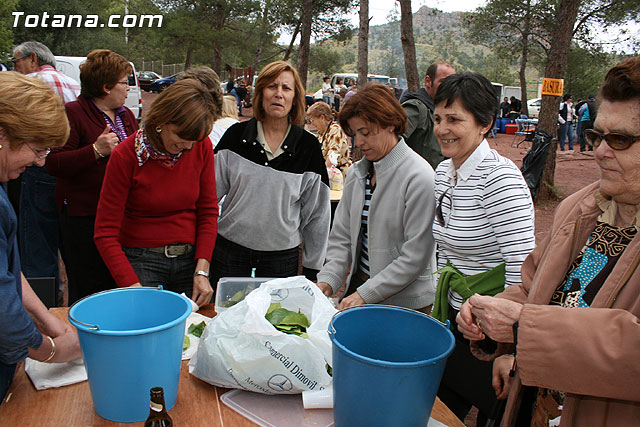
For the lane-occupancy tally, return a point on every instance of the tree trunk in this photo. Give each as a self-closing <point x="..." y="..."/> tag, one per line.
<point x="287" y="54"/>
<point x="408" y="45"/>
<point x="264" y="24"/>
<point x="363" y="44"/>
<point x="305" y="40"/>
<point x="567" y="12"/>
<point x="216" y="61"/>
<point x="523" y="61"/>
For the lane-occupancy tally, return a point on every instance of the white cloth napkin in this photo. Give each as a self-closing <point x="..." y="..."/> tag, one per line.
<point x="194" y="306"/>
<point x="194" y="318"/>
<point x="49" y="375"/>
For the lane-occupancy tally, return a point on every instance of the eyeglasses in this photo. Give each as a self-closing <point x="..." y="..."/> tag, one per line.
<point x="123" y="83"/>
<point x="615" y="140"/>
<point x="308" y="120"/>
<point x="14" y="60"/>
<point x="439" y="215"/>
<point x="41" y="153"/>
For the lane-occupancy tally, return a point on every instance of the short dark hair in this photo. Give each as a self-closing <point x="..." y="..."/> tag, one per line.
<point x="376" y="104"/>
<point x="474" y="91"/>
<point x="433" y="69"/>
<point x="102" y="68"/>
<point x="622" y="82"/>
<point x="566" y="97"/>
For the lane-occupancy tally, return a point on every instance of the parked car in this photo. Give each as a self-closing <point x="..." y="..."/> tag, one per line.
<point x="163" y="83"/>
<point x="70" y="66"/>
<point x="146" y="78"/>
<point x="533" y="105"/>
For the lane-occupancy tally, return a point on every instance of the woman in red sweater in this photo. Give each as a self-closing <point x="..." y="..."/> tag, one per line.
<point x="99" y="121"/>
<point x="157" y="217"/>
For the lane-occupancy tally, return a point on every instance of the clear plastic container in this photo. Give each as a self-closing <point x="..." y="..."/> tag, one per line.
<point x="232" y="290"/>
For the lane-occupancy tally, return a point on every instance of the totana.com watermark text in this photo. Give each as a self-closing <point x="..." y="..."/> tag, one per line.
<point x="86" y="21"/>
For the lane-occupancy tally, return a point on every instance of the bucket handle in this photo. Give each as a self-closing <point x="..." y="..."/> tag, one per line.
<point x="96" y="327"/>
<point x="332" y="329"/>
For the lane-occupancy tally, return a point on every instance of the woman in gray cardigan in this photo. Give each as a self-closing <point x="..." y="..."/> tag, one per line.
<point x="382" y="227"/>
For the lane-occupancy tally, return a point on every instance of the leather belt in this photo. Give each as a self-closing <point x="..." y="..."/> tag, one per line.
<point x="173" y="250"/>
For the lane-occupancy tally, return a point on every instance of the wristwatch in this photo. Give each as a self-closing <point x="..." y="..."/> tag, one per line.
<point x="201" y="273"/>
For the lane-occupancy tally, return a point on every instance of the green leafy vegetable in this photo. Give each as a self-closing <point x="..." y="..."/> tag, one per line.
<point x="186" y="343"/>
<point x="196" y="330"/>
<point x="236" y="298"/>
<point x="288" y="321"/>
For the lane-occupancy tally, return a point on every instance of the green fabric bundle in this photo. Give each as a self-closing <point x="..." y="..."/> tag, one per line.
<point x="488" y="283"/>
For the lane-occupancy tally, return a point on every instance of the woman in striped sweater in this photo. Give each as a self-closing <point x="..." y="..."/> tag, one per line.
<point x="483" y="228"/>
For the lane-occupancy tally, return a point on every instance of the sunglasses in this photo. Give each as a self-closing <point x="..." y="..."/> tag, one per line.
<point x="615" y="140"/>
<point x="439" y="215"/>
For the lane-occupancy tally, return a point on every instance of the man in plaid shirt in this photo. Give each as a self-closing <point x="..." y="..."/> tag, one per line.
<point x="37" y="210"/>
<point x="36" y="60"/>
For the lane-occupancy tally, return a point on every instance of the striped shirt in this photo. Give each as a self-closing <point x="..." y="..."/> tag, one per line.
<point x="364" y="221"/>
<point x="66" y="87"/>
<point x="488" y="216"/>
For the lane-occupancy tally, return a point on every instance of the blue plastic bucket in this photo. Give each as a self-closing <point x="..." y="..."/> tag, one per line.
<point x="131" y="341"/>
<point x="387" y="365"/>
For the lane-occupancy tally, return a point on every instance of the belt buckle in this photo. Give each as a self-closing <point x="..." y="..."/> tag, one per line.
<point x="166" y="253"/>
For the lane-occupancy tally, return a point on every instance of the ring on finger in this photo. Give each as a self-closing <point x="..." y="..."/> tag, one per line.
<point x="478" y="323"/>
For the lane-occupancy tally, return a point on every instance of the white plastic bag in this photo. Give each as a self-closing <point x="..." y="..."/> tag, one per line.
<point x="241" y="349"/>
<point x="335" y="178"/>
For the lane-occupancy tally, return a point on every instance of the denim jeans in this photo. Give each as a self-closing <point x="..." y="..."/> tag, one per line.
<point x="564" y="131"/>
<point x="38" y="225"/>
<point x="153" y="269"/>
<point x="233" y="260"/>
<point x="86" y="271"/>
<point x="238" y="101"/>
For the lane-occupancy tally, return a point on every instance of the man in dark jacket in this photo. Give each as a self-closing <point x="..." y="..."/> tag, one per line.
<point x="419" y="108"/>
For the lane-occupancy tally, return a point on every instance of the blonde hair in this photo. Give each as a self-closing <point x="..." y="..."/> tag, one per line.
<point x="188" y="105"/>
<point x="320" y="108"/>
<point x="31" y="112"/>
<point x="209" y="80"/>
<point x="268" y="75"/>
<point x="229" y="107"/>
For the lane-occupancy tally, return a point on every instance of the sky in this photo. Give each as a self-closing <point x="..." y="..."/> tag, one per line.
<point x="379" y="9"/>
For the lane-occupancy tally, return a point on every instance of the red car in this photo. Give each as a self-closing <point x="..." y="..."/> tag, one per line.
<point x="146" y="78"/>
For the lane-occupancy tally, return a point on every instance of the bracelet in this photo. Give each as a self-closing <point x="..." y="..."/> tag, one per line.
<point x="96" y="150"/>
<point x="53" y="350"/>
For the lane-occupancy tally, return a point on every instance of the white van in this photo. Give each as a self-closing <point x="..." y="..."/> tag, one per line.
<point x="352" y="78"/>
<point x="70" y="66"/>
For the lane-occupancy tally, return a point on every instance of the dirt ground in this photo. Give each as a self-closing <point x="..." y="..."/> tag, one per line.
<point x="574" y="170"/>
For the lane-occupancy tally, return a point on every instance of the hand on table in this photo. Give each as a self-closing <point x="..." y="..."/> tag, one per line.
<point x="352" y="300"/>
<point x="325" y="288"/>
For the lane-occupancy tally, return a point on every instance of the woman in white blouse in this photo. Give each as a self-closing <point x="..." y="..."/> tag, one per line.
<point x="483" y="228"/>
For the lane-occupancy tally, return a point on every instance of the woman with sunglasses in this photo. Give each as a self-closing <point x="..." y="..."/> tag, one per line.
<point x="484" y="227"/>
<point x="32" y="120"/>
<point x="382" y="227"/>
<point x="573" y="324"/>
<point x="157" y="216"/>
<point x="99" y="121"/>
